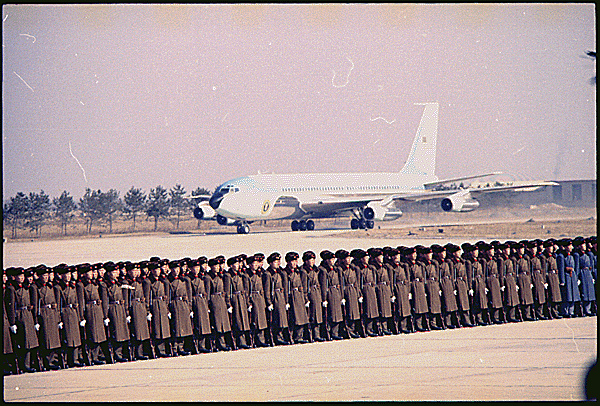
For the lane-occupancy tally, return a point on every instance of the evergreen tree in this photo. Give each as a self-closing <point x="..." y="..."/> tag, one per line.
<point x="110" y="204"/>
<point x="135" y="200"/>
<point x="15" y="212"/>
<point x="177" y="202"/>
<point x="90" y="207"/>
<point x="38" y="211"/>
<point x="64" y="206"/>
<point x="158" y="204"/>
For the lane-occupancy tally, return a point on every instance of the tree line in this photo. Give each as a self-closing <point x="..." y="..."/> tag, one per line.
<point x="36" y="210"/>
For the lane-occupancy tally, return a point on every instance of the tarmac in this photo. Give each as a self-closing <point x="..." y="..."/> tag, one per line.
<point x="539" y="361"/>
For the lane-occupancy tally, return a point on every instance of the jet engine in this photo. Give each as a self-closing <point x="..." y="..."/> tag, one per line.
<point x="460" y="202"/>
<point x="224" y="221"/>
<point x="376" y="211"/>
<point x="204" y="212"/>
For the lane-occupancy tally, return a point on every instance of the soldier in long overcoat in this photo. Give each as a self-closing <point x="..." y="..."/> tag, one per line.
<point x="492" y="282"/>
<point x="475" y="271"/>
<point x="258" y="305"/>
<point x="115" y="311"/>
<point x="156" y="290"/>
<point x="551" y="269"/>
<point x="524" y="282"/>
<point x="10" y="361"/>
<point x="417" y="281"/>
<point x="315" y="309"/>
<point x="180" y="305"/>
<point x="218" y="307"/>
<point x="508" y="283"/>
<point x="585" y="275"/>
<point x="367" y="284"/>
<point x="538" y="278"/>
<point x="93" y="314"/>
<point x="200" y="308"/>
<point x="332" y="294"/>
<point x="18" y="298"/>
<point x="400" y="280"/>
<point x="236" y="297"/>
<point x="71" y="314"/>
<point x="275" y="286"/>
<point x="137" y="306"/>
<point x="568" y="269"/>
<point x="351" y="290"/>
<point x="297" y="285"/>
<point x="432" y="287"/>
<point x="461" y="285"/>
<point x="449" y="306"/>
<point x="48" y="317"/>
<point x="383" y="288"/>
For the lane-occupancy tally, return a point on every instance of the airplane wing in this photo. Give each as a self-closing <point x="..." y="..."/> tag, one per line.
<point x="206" y="197"/>
<point x="431" y="185"/>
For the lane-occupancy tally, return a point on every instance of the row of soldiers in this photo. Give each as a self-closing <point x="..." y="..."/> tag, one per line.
<point x="90" y="314"/>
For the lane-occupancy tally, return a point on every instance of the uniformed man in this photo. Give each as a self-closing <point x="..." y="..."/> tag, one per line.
<point x="236" y="297"/>
<point x="218" y="307"/>
<point x="492" y="282"/>
<point x="508" y="286"/>
<point x="367" y="283"/>
<point x="138" y="311"/>
<point x="585" y="275"/>
<point x="275" y="286"/>
<point x="116" y="316"/>
<point x="351" y="290"/>
<point x="181" y="311"/>
<point x="443" y="267"/>
<point x="71" y="314"/>
<point x="417" y="280"/>
<point x="48" y="318"/>
<point x="297" y="285"/>
<point x="383" y="289"/>
<point x="331" y="292"/>
<point x="93" y="314"/>
<point x="258" y="306"/>
<point x="433" y="289"/>
<point x="402" y="292"/>
<point x="523" y="280"/>
<point x="478" y="286"/>
<point x="200" y="308"/>
<point x="461" y="284"/>
<point x="551" y="270"/>
<point x="10" y="360"/>
<point x="156" y="289"/>
<point x="315" y="310"/>
<point x="538" y="278"/>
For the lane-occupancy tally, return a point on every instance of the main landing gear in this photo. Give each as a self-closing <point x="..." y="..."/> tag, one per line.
<point x="303" y="225"/>
<point x="360" y="222"/>
<point x="243" y="228"/>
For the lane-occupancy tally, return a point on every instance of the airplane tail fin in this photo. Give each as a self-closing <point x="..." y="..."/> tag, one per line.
<point x="421" y="160"/>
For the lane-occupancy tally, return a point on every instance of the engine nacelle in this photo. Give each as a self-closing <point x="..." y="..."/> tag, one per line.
<point x="204" y="212"/>
<point x="375" y="211"/>
<point x="459" y="202"/>
<point x="224" y="221"/>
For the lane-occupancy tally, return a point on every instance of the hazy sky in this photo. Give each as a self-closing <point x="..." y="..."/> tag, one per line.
<point x="138" y="95"/>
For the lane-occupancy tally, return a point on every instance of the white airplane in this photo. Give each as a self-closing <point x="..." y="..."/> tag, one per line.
<point x="368" y="197"/>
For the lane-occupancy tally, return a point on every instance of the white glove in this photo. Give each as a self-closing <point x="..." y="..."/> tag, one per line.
<point x="502" y="288"/>
<point x="106" y="321"/>
<point x="546" y="285"/>
<point x="487" y="290"/>
<point x="191" y="315"/>
<point x="578" y="282"/>
<point x="230" y="309"/>
<point x="287" y="306"/>
<point x="37" y="327"/>
<point x="128" y="318"/>
<point x="325" y="304"/>
<point x="270" y="308"/>
<point x="517" y="288"/>
<point x="250" y="308"/>
<point x="532" y="285"/>
<point x="440" y="293"/>
<point x="169" y="315"/>
<point x="307" y="304"/>
<point x="13" y="329"/>
<point x="471" y="292"/>
<point x="343" y="301"/>
<point x="409" y="295"/>
<point x="455" y="292"/>
<point x="149" y="317"/>
<point x="393" y="299"/>
<point x="60" y="325"/>
<point x="360" y="299"/>
<point x="82" y="323"/>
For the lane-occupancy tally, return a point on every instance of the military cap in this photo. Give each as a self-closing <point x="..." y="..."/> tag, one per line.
<point x="30" y="271"/>
<point x="274" y="257"/>
<point x="193" y="263"/>
<point x="452" y="248"/>
<point x="291" y="256"/>
<point x="502" y="246"/>
<point x="221" y="259"/>
<point x="41" y="269"/>
<point x="84" y="268"/>
<point x="232" y="260"/>
<point x="213" y="262"/>
<point x="494" y="243"/>
<point x="386" y="250"/>
<point x="110" y="266"/>
<point x="437" y="248"/>
<point x="259" y="256"/>
<point x="163" y="261"/>
<point x="153" y="265"/>
<point x="326" y="254"/>
<point x="548" y="243"/>
<point x="392" y="252"/>
<point x="577" y="241"/>
<point x="530" y="244"/>
<point x="202" y="260"/>
<point x="130" y="265"/>
<point x="466" y="247"/>
<point x="359" y="253"/>
<point x="341" y="254"/>
<point x="243" y="257"/>
<point x="423" y="250"/>
<point x="375" y="252"/>
<point x="517" y="245"/>
<point x="61" y="269"/>
<point x="144" y="264"/>
<point x="409" y="250"/>
<point x="14" y="271"/>
<point x="484" y="246"/>
<point x="308" y="255"/>
<point x="592" y="239"/>
<point x="154" y="259"/>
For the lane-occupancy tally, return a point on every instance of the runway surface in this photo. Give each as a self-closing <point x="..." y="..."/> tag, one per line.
<point x="176" y="246"/>
<point x="543" y="360"/>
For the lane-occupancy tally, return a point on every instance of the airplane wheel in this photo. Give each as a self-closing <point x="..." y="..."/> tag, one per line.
<point x="295" y="225"/>
<point x="244" y="229"/>
<point x="354" y="224"/>
<point x="239" y="229"/>
<point x="362" y="223"/>
<point x="370" y="224"/>
<point x="310" y="225"/>
<point x="302" y="225"/>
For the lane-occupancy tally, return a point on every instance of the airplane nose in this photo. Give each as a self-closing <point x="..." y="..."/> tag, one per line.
<point x="215" y="200"/>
